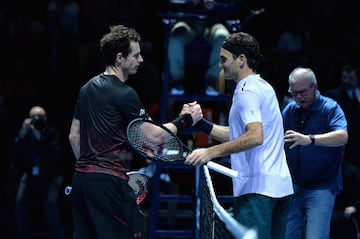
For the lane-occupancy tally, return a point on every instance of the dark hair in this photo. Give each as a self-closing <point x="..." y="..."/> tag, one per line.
<point x="351" y="67"/>
<point x="117" y="40"/>
<point x="244" y="43"/>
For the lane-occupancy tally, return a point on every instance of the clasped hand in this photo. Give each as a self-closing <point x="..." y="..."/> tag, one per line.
<point x="194" y="109"/>
<point x="202" y="155"/>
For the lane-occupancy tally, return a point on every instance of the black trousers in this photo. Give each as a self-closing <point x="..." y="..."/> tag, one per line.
<point x="104" y="207"/>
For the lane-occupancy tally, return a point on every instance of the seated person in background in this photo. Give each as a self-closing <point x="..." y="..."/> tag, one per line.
<point x="211" y="30"/>
<point x="347" y="94"/>
<point x="36" y="163"/>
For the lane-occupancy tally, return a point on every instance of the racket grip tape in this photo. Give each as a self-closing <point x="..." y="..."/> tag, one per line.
<point x="183" y="121"/>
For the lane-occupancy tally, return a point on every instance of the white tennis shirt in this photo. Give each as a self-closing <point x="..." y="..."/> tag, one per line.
<point x="262" y="169"/>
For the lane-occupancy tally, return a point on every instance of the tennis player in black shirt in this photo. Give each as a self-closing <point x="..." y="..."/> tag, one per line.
<point x="103" y="204"/>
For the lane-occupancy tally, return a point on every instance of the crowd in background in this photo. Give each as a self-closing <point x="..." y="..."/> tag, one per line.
<point x="49" y="48"/>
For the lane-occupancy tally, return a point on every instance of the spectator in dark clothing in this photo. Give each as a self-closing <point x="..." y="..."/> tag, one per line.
<point x="200" y="21"/>
<point x="36" y="164"/>
<point x="348" y="96"/>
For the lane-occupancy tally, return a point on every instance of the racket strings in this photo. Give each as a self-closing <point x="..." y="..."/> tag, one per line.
<point x="137" y="138"/>
<point x="139" y="184"/>
<point x="168" y="149"/>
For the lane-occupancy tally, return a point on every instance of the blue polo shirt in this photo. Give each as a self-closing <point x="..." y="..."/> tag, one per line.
<point x="313" y="166"/>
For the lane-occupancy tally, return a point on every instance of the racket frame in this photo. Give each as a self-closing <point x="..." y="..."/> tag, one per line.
<point x="184" y="150"/>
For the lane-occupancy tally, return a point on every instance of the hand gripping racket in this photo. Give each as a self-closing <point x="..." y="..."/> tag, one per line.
<point x="139" y="183"/>
<point x="156" y="142"/>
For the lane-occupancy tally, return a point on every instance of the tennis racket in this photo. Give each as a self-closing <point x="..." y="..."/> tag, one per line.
<point x="139" y="183"/>
<point x="156" y="142"/>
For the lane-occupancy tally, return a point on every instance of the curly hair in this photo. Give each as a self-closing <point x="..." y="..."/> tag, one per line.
<point x="117" y="40"/>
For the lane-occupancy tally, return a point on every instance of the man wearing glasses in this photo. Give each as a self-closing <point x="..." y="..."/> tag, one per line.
<point x="315" y="134"/>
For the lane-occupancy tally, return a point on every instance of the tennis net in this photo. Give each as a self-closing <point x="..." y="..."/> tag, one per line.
<point x="213" y="221"/>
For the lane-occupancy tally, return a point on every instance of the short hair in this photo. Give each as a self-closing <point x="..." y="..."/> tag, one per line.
<point x="243" y="43"/>
<point x="117" y="40"/>
<point x="351" y="67"/>
<point x="302" y="73"/>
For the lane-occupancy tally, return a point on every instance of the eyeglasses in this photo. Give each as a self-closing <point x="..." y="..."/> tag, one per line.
<point x="302" y="92"/>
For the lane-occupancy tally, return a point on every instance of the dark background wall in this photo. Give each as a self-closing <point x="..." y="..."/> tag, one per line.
<point x="50" y="48"/>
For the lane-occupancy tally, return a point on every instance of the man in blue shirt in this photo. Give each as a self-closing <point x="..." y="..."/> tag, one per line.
<point x="315" y="134"/>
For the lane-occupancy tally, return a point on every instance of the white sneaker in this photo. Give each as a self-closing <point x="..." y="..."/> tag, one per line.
<point x="211" y="91"/>
<point x="177" y="91"/>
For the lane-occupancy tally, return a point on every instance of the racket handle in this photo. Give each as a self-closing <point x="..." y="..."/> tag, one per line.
<point x="222" y="169"/>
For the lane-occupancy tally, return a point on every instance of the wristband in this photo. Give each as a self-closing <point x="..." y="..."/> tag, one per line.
<point x="183" y="121"/>
<point x="204" y="125"/>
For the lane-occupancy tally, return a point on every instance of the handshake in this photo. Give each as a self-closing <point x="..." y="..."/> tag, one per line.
<point x="194" y="109"/>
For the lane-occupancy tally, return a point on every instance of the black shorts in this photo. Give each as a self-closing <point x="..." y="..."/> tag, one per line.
<point x="104" y="207"/>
